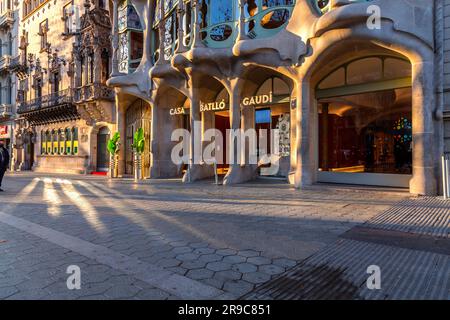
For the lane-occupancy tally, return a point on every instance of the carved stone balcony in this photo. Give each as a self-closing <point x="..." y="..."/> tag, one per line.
<point x="6" y="111"/>
<point x="17" y="66"/>
<point x="6" y="20"/>
<point x="5" y="63"/>
<point x="92" y="92"/>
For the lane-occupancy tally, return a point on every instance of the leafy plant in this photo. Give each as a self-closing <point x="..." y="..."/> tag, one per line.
<point x="113" y="144"/>
<point x="139" y="141"/>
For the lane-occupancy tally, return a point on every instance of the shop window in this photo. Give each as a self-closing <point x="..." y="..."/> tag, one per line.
<point x="55" y="142"/>
<point x="75" y="140"/>
<point x="366" y="128"/>
<point x="336" y="79"/>
<point x="395" y="68"/>
<point x="367" y="70"/>
<point x="68" y="134"/>
<point x="48" y="142"/>
<point x="364" y="70"/>
<point x="43" y="142"/>
<point x="61" y="141"/>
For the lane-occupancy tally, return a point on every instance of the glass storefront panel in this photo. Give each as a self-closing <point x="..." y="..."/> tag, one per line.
<point x="366" y="133"/>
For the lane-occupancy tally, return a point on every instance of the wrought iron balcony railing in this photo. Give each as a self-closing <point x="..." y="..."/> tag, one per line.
<point x="93" y="91"/>
<point x="48" y="101"/>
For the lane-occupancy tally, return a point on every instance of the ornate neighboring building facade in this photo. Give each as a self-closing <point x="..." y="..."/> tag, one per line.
<point x="356" y="88"/>
<point x="9" y="20"/>
<point x="65" y="110"/>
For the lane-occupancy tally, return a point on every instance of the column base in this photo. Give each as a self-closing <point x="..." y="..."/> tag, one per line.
<point x="240" y="174"/>
<point x="304" y="176"/>
<point x="198" y="172"/>
<point x="423" y="182"/>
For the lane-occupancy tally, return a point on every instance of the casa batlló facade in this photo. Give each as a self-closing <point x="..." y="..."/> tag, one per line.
<point x="65" y="111"/>
<point x="356" y="89"/>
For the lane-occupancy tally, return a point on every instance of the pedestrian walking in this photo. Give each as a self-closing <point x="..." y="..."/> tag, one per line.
<point x="4" y="162"/>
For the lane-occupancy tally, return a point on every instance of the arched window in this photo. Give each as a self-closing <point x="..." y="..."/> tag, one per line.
<point x="365" y="121"/>
<point x="370" y="72"/>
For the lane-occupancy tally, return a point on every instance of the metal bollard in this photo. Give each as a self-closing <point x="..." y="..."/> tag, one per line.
<point x="445" y="175"/>
<point x="215" y="172"/>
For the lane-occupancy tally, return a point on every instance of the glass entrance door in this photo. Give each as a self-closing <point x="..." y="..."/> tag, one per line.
<point x="102" y="153"/>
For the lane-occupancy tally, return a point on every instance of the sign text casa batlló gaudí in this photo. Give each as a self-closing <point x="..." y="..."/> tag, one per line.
<point x="222" y="105"/>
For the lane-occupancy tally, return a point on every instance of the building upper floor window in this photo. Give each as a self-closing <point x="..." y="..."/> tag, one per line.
<point x="29" y="6"/>
<point x="43" y="32"/>
<point x="68" y="13"/>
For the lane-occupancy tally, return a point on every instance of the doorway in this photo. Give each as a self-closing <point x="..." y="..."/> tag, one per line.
<point x="272" y="125"/>
<point x="102" y="152"/>
<point x="222" y="123"/>
<point x="138" y="115"/>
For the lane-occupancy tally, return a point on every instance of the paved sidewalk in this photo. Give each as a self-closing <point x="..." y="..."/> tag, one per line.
<point x="409" y="243"/>
<point x="161" y="239"/>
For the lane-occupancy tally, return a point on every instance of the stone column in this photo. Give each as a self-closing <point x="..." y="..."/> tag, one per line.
<point x="304" y="141"/>
<point x="154" y="143"/>
<point x="162" y="33"/>
<point x="239" y="170"/>
<point x="242" y="35"/>
<point x="97" y="66"/>
<point x="180" y="32"/>
<point x="87" y="63"/>
<point x="122" y="129"/>
<point x="115" y="39"/>
<point x="197" y="41"/>
<point x="195" y="144"/>
<point x="424" y="180"/>
<point x="324" y="130"/>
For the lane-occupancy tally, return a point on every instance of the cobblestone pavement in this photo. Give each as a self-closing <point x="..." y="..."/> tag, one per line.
<point x="162" y="239"/>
